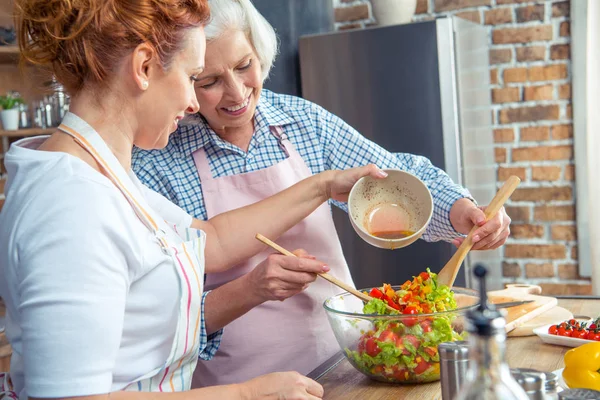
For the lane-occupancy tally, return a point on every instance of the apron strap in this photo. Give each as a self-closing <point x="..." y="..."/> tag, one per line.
<point x="140" y="211"/>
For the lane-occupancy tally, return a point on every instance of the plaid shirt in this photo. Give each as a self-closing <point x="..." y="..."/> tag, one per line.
<point x="323" y="140"/>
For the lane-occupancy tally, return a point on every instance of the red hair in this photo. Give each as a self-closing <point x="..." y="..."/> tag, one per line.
<point x="83" y="41"/>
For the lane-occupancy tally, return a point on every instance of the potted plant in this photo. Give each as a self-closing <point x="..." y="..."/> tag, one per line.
<point x="10" y="111"/>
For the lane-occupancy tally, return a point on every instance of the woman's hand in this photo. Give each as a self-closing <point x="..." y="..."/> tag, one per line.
<point x="282" y="385"/>
<point x="492" y="234"/>
<point x="341" y="182"/>
<point x="279" y="277"/>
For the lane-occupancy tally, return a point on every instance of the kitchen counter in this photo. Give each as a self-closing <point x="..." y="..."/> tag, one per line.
<point x="342" y="381"/>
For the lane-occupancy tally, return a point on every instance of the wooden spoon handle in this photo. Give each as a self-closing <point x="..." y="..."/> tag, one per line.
<point x="447" y="275"/>
<point x="324" y="275"/>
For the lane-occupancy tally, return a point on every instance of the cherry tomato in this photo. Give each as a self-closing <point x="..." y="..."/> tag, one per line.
<point x="579" y="334"/>
<point x="572" y="322"/>
<point x="594" y="336"/>
<point x="592" y="327"/>
<point x="553" y="330"/>
<point x="564" y="331"/>
<point x="410" y="310"/>
<point x="372" y="348"/>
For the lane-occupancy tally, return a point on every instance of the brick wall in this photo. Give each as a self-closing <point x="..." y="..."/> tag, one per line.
<point x="530" y="71"/>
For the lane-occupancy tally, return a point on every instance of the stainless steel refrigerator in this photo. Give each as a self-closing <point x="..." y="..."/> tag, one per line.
<point x="421" y="88"/>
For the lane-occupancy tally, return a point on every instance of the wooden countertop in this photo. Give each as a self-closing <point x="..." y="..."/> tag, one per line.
<point x="342" y="381"/>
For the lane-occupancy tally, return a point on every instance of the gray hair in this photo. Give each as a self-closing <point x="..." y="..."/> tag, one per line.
<point x="242" y="15"/>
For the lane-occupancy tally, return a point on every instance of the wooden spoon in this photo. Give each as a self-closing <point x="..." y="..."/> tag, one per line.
<point x="447" y="275"/>
<point x="324" y="275"/>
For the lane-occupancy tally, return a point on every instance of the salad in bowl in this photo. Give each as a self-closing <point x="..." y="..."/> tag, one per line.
<point x="400" y="346"/>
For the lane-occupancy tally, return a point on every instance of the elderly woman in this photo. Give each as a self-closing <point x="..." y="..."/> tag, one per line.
<point x="247" y="143"/>
<point x="102" y="277"/>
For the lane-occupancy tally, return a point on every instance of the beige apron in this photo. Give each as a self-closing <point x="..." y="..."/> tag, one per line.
<point x="275" y="336"/>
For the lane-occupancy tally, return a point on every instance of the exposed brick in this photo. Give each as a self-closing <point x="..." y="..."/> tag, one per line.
<point x="526" y="231"/>
<point x="564" y="232"/>
<point x="545" y="173"/>
<point x="574" y="254"/>
<point x="569" y="111"/>
<point x="531" y="53"/>
<point x="500" y="154"/>
<point x="554" y="213"/>
<point x="545" y="270"/>
<point x="561" y="9"/>
<point x="548" y="73"/>
<point x="504" y="135"/>
<point x="524" y="114"/>
<point x="562" y="132"/>
<point x="2" y="183"/>
<point x="543" y="251"/>
<point x="541" y="194"/>
<point x="564" y="91"/>
<point x="447" y="5"/>
<point x="536" y="93"/>
<point x="522" y="35"/>
<point x="560" y="52"/>
<point x="535" y="134"/>
<point x="565" y="29"/>
<point x="511" y="270"/>
<point x="498" y="16"/>
<point x="351" y="13"/>
<point x="493" y="76"/>
<point x="505" y="95"/>
<point x="515" y="75"/>
<point x="569" y="172"/>
<point x="530" y="13"/>
<point x="1" y="204"/>
<point x="473" y="16"/>
<point x="500" y="56"/>
<point x="561" y="289"/>
<point x="422" y="7"/>
<point x="568" y="271"/>
<point x="504" y="173"/>
<point x="542" y="153"/>
<point x="347" y="27"/>
<point x="518" y="213"/>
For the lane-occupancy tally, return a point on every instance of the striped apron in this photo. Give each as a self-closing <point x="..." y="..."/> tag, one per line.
<point x="186" y="248"/>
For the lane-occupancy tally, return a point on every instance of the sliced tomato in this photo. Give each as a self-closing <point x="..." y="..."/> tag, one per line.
<point x="426" y="325"/>
<point x="388" y="336"/>
<point x="400" y="374"/>
<point x="376" y="293"/>
<point x="422" y="366"/>
<point x="393" y="305"/>
<point x="410" y="310"/>
<point x="372" y="348"/>
<point x="424" y="275"/>
<point x="412" y="340"/>
<point x="400" y="345"/>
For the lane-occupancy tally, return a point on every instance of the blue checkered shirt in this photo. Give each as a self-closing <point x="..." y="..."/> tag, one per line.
<point x="323" y="140"/>
<point x="209" y="344"/>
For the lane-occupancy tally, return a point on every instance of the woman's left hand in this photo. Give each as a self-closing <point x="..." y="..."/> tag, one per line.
<point x="340" y="182"/>
<point x="492" y="234"/>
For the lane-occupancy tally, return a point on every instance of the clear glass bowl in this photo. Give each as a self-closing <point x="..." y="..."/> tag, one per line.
<point x="396" y="348"/>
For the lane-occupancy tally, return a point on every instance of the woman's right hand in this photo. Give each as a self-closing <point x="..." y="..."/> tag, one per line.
<point x="282" y="385"/>
<point x="279" y="277"/>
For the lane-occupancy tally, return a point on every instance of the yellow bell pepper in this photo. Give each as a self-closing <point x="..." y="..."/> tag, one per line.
<point x="582" y="367"/>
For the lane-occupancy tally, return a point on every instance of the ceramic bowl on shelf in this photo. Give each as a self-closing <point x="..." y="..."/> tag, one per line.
<point x="390" y="213"/>
<point x="399" y="349"/>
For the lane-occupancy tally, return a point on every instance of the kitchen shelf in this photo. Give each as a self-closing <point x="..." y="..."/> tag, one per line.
<point x="27" y="132"/>
<point x="9" y="54"/>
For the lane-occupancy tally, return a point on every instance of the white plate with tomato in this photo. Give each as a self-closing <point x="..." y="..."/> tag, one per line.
<point x="571" y="333"/>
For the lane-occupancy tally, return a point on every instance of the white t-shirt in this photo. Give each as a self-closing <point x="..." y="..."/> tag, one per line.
<point x="92" y="300"/>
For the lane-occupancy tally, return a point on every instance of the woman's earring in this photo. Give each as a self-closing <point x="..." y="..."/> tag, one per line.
<point x="145" y="85"/>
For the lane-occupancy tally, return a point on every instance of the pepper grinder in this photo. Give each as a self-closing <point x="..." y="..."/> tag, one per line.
<point x="454" y="364"/>
<point x="488" y="377"/>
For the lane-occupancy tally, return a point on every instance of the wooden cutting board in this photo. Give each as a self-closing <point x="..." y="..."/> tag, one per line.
<point x="553" y="315"/>
<point x="519" y="315"/>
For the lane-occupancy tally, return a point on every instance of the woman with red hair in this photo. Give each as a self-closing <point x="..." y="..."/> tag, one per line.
<point x="102" y="277"/>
